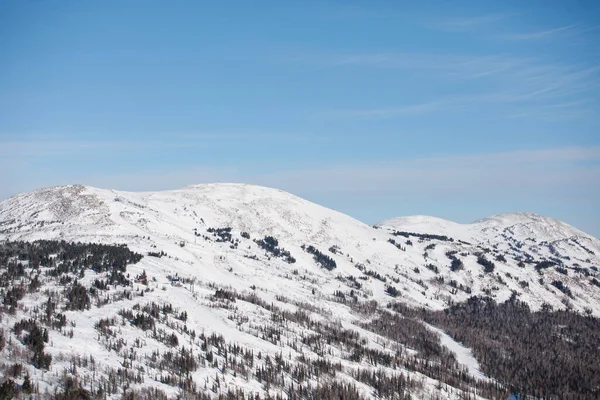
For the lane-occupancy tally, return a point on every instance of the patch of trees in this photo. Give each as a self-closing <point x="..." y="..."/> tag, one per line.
<point x="458" y="286"/>
<point x="432" y="359"/>
<point x="582" y="246"/>
<point x="225" y="294"/>
<point x="12" y="297"/>
<point x="562" y="270"/>
<point x="582" y="270"/>
<point x="456" y="264"/>
<point x="488" y="266"/>
<point x="77" y="297"/>
<point x="271" y="245"/>
<point x="62" y="260"/>
<point x="72" y="390"/>
<point x="70" y="256"/>
<point x="544" y="265"/>
<point x="222" y="234"/>
<point x="370" y="272"/>
<point x="322" y="259"/>
<point x="398" y="245"/>
<point x="432" y="268"/>
<point x="352" y="282"/>
<point x="392" y="291"/>
<point x="35" y="341"/>
<point x="545" y="354"/>
<point x="562" y="287"/>
<point x="423" y="236"/>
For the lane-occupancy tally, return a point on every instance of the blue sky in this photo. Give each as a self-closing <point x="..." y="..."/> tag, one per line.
<point x="378" y="109"/>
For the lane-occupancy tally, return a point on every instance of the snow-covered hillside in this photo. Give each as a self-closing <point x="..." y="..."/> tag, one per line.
<point x="165" y="220"/>
<point x="204" y="241"/>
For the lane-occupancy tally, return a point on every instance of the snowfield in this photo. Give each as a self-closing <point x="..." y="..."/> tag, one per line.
<point x="213" y="236"/>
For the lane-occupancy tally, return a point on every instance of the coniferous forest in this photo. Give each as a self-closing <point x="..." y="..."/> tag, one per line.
<point x="544" y="354"/>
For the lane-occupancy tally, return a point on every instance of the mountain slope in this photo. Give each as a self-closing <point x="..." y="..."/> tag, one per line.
<point x="164" y="220"/>
<point x="267" y="270"/>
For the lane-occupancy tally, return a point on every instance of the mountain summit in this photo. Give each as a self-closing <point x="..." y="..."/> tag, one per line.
<point x="218" y="289"/>
<point x="166" y="219"/>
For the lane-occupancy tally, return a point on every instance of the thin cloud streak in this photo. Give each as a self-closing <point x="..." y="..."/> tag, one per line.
<point x="517" y="71"/>
<point x="459" y="24"/>
<point x="500" y="79"/>
<point x="544" y="34"/>
<point x="417" y="109"/>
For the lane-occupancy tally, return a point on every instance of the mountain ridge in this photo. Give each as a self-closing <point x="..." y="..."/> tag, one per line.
<point x="84" y="213"/>
<point x="270" y="271"/>
<point x="502" y="219"/>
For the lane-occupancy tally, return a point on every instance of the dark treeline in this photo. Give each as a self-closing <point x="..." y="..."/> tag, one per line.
<point x="425" y="236"/>
<point x="20" y="272"/>
<point x="546" y="354"/>
<point x="50" y="253"/>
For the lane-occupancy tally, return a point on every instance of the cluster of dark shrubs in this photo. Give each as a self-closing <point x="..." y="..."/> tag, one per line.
<point x="562" y="287"/>
<point x="397" y="245"/>
<point x="456" y="264"/>
<point x="222" y="234"/>
<point x="392" y="291"/>
<point x="488" y="266"/>
<point x="544" y="265"/>
<point x="271" y="246"/>
<point x="322" y="259"/>
<point x="432" y="268"/>
<point x="370" y="272"/>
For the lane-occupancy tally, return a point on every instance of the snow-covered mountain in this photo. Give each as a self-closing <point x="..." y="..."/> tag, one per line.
<point x="517" y="234"/>
<point x="164" y="220"/>
<point x="518" y="226"/>
<point x="300" y="258"/>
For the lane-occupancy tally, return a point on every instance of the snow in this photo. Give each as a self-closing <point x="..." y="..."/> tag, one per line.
<point x="464" y="355"/>
<point x="162" y="221"/>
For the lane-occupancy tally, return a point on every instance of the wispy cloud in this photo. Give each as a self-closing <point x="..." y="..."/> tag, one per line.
<point x="548" y="33"/>
<point x="558" y="112"/>
<point x="408" y="110"/>
<point x="457" y="24"/>
<point x="499" y="79"/>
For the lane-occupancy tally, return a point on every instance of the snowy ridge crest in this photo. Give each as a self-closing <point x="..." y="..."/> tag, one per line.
<point x="262" y="270"/>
